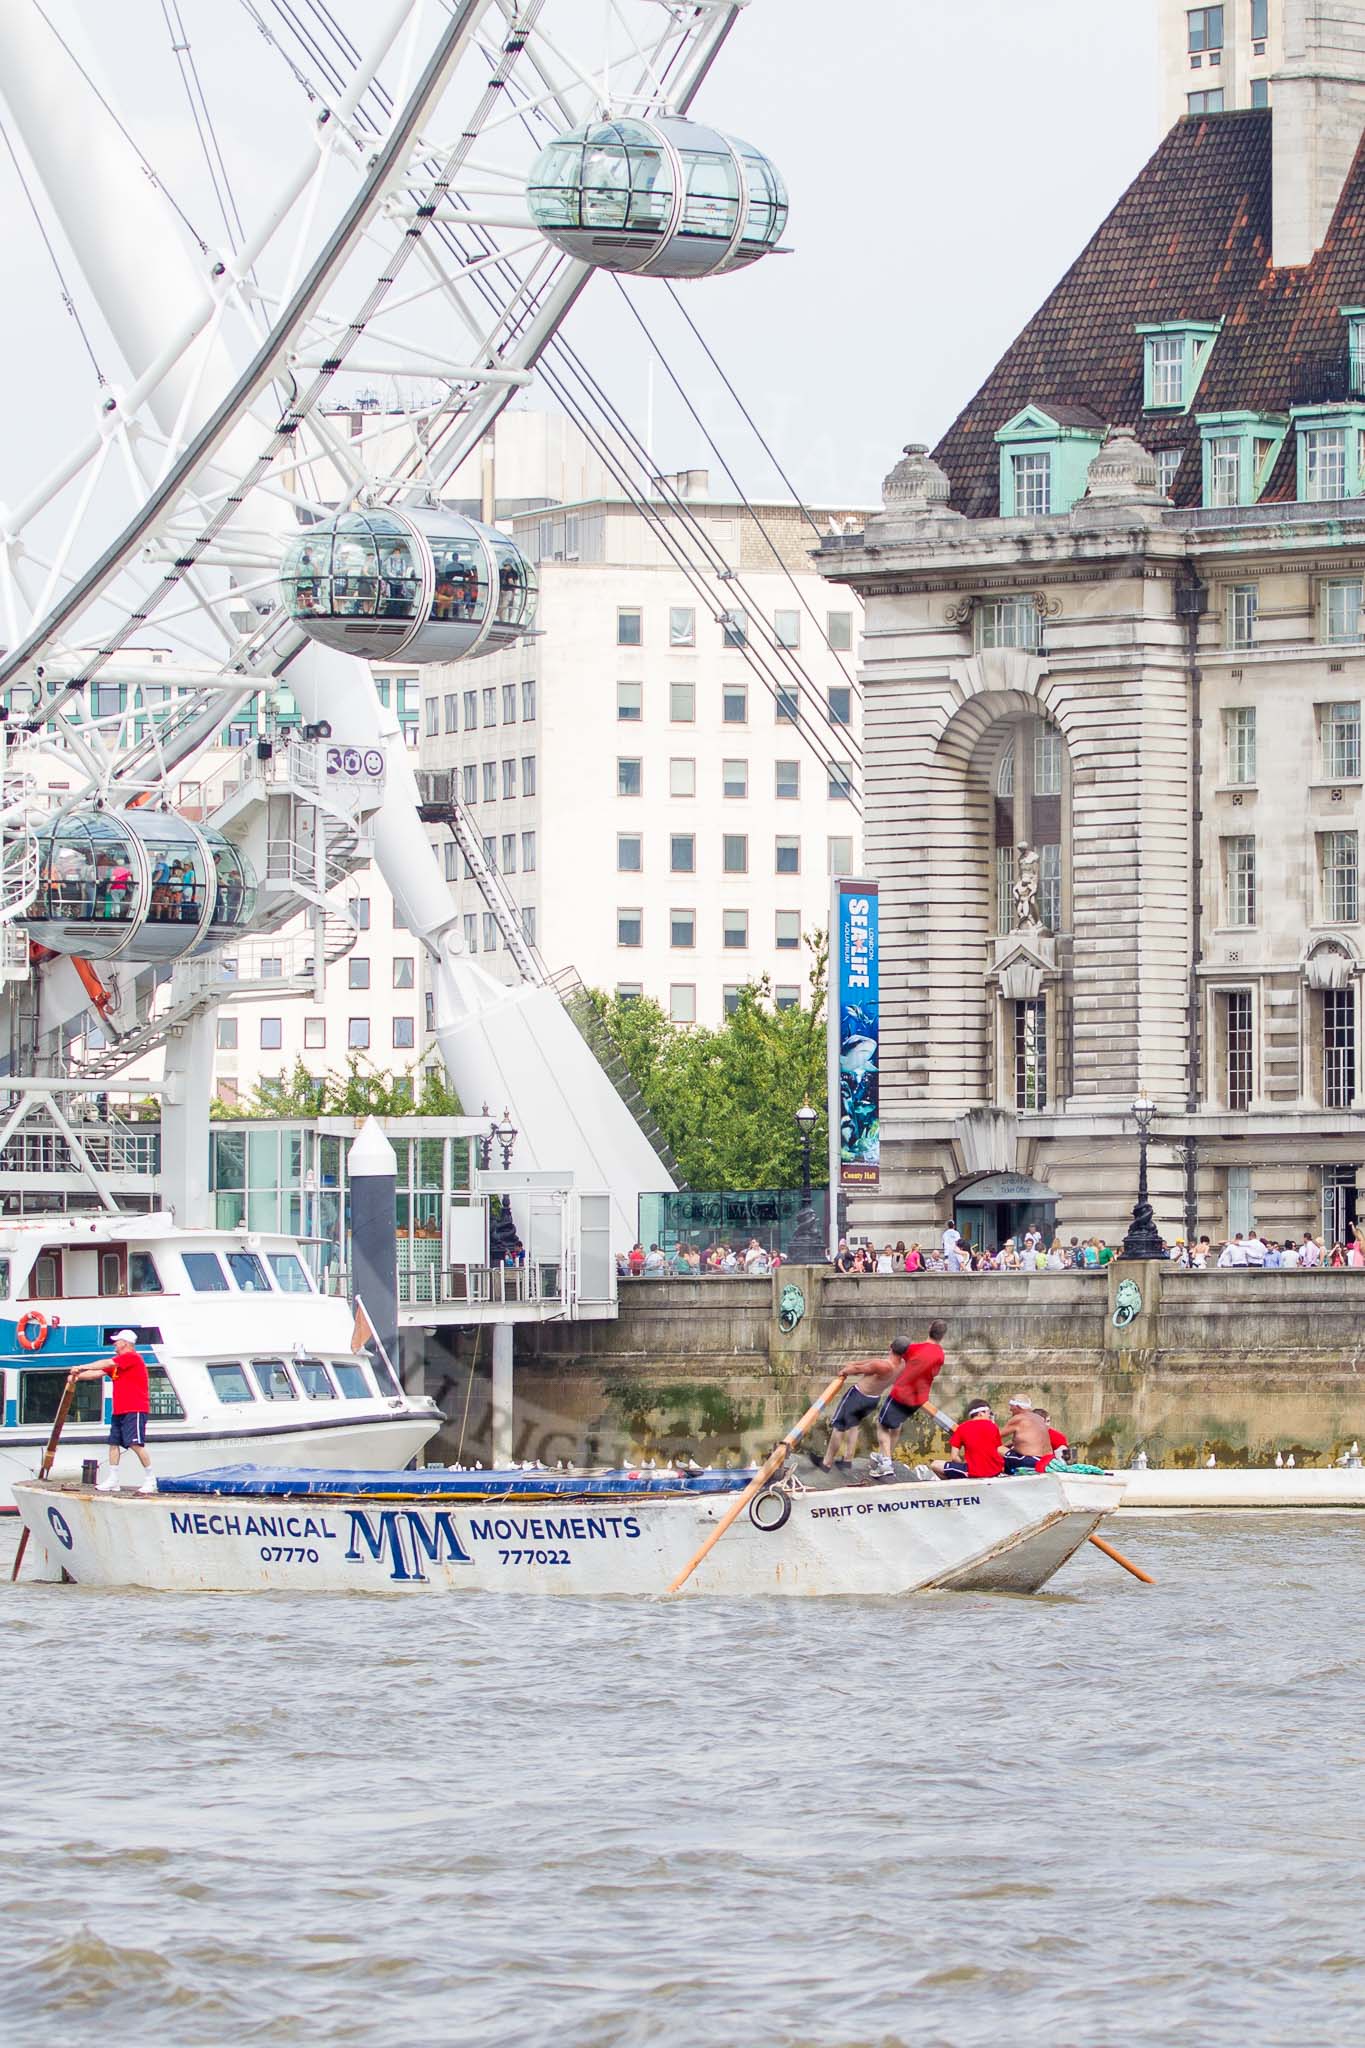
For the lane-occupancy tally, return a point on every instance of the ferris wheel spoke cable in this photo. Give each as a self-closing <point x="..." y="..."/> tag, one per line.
<point x="62" y="286"/>
<point x="203" y="123"/>
<point x="801" y="507"/>
<point x="696" y="575"/>
<point x="158" y="183"/>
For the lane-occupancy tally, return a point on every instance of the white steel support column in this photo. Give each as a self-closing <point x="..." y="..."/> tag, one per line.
<point x="187" y="1092"/>
<point x="501" y="1422"/>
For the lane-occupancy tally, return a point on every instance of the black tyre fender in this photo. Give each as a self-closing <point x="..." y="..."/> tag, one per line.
<point x="770" y="1510"/>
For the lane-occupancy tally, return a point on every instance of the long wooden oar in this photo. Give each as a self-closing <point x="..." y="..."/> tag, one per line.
<point x="58" y="1425"/>
<point x="775" y="1460"/>
<point x="1126" y="1562"/>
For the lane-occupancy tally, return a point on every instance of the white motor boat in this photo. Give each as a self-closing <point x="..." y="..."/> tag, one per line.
<point x="552" y="1532"/>
<point x="246" y="1359"/>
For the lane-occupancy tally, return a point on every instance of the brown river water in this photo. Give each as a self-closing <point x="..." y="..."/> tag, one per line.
<point x="1105" y="1815"/>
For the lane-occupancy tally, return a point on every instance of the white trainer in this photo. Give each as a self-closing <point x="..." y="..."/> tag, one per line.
<point x="149" y="1484"/>
<point x="107" y="1482"/>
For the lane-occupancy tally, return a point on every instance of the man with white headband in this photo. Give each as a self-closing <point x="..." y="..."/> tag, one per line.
<point x="132" y="1400"/>
<point x="1028" y="1447"/>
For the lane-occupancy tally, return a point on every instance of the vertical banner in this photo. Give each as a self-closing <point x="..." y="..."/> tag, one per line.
<point x="854" y="1037"/>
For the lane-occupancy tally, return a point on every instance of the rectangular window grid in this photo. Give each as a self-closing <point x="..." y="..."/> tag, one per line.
<point x="682" y="853"/>
<point x="1050" y="887"/>
<point x="1008" y="622"/>
<point x="1341" y="742"/>
<point x="1240" y="1048"/>
<point x="1341" y="877"/>
<point x="1030" y="1054"/>
<point x="1225" y="470"/>
<point x="1004" y="889"/>
<point x="1338" y="1048"/>
<point x="1239" y="731"/>
<point x="1239" y="869"/>
<point x="1243" y="605"/>
<point x="1324" y="462"/>
<point x="1167" y="363"/>
<point x="1032" y="486"/>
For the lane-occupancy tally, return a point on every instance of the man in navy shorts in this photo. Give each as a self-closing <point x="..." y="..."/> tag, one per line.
<point x="920" y="1367"/>
<point x="132" y="1399"/>
<point x="870" y="1379"/>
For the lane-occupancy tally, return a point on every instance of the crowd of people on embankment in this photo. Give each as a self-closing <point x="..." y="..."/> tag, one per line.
<point x="1031" y="1252"/>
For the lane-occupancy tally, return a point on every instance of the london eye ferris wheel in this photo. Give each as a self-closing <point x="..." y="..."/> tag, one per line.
<point x="441" y="180"/>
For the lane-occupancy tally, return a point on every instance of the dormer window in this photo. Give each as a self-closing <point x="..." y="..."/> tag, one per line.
<point x="1331" y="452"/>
<point x="1032" y="485"/>
<point x="1175" y="353"/>
<point x="1044" y="455"/>
<point x="1239" y="453"/>
<point x="1355" y="348"/>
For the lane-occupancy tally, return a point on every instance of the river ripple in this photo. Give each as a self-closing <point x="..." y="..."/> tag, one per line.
<point x="1103" y="1816"/>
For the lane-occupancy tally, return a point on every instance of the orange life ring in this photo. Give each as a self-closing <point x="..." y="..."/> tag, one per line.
<point x="24" y="1341"/>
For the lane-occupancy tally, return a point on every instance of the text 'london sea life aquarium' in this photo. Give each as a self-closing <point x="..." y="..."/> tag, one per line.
<point x="855" y="1028"/>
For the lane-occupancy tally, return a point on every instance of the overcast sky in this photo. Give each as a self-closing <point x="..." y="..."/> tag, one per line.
<point x="947" y="160"/>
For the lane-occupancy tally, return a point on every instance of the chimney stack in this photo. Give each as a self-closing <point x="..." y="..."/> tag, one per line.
<point x="1318" y="97"/>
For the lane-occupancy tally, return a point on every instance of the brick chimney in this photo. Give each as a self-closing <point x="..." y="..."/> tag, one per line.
<point x="1318" y="96"/>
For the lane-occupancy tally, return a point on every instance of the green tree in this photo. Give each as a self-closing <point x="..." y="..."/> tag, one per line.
<point x="726" y="1098"/>
<point x="360" y="1090"/>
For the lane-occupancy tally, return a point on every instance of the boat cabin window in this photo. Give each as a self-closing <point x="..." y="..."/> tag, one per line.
<point x="40" y="1391"/>
<point x="47" y="1277"/>
<point x="352" y="1381"/>
<point x="247" y="1270"/>
<point x="315" y="1379"/>
<point x="164" y="1403"/>
<point x="230" y="1383"/>
<point x="290" y="1276"/>
<point x="272" y="1379"/>
<point x="111" y="1273"/>
<point x="384" y="1378"/>
<point x="4" y="1279"/>
<point x="143" y="1277"/>
<point x="206" y="1276"/>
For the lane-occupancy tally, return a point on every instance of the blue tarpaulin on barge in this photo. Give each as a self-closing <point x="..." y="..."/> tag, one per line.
<point x="282" y="1482"/>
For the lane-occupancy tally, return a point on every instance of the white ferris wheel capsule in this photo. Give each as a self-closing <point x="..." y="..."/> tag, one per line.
<point x="138" y="885"/>
<point x="663" y="198"/>
<point x="425" y="583"/>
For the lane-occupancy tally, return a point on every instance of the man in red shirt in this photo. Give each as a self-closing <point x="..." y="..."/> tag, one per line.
<point x="977" y="1443"/>
<point x="920" y="1368"/>
<point x="870" y="1378"/>
<point x="132" y="1400"/>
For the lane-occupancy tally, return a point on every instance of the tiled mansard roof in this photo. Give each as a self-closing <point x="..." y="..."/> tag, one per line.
<point x="1189" y="240"/>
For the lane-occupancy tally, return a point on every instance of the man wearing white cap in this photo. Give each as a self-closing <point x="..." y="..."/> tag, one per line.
<point x="132" y="1400"/>
<point x="1028" y="1447"/>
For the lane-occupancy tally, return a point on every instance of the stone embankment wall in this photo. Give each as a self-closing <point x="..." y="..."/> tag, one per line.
<point x="1237" y="1364"/>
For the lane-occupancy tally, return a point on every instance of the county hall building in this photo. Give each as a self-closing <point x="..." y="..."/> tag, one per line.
<point x="1114" y="663"/>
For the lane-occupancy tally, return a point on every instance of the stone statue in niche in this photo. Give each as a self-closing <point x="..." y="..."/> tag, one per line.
<point x="1026" y="917"/>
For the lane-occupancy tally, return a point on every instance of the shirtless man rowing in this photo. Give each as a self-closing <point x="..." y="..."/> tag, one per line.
<point x="868" y="1379"/>
<point x="1027" y="1442"/>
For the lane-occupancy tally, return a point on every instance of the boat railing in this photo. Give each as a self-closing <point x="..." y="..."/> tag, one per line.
<point x="478" y="1286"/>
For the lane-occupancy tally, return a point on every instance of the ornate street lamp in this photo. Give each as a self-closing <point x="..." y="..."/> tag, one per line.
<point x="1142" y="1239"/>
<point x="807" y="1244"/>
<point x="485" y="1143"/>
<point x="506" y="1135"/>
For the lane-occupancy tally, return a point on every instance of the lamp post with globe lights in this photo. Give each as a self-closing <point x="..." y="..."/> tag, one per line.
<point x="807" y="1243"/>
<point x="1142" y="1240"/>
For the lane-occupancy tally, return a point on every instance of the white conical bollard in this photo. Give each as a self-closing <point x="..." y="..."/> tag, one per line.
<point x="1279" y="1459"/>
<point x="1210" y="1462"/>
<point x="1289" y="1461"/>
